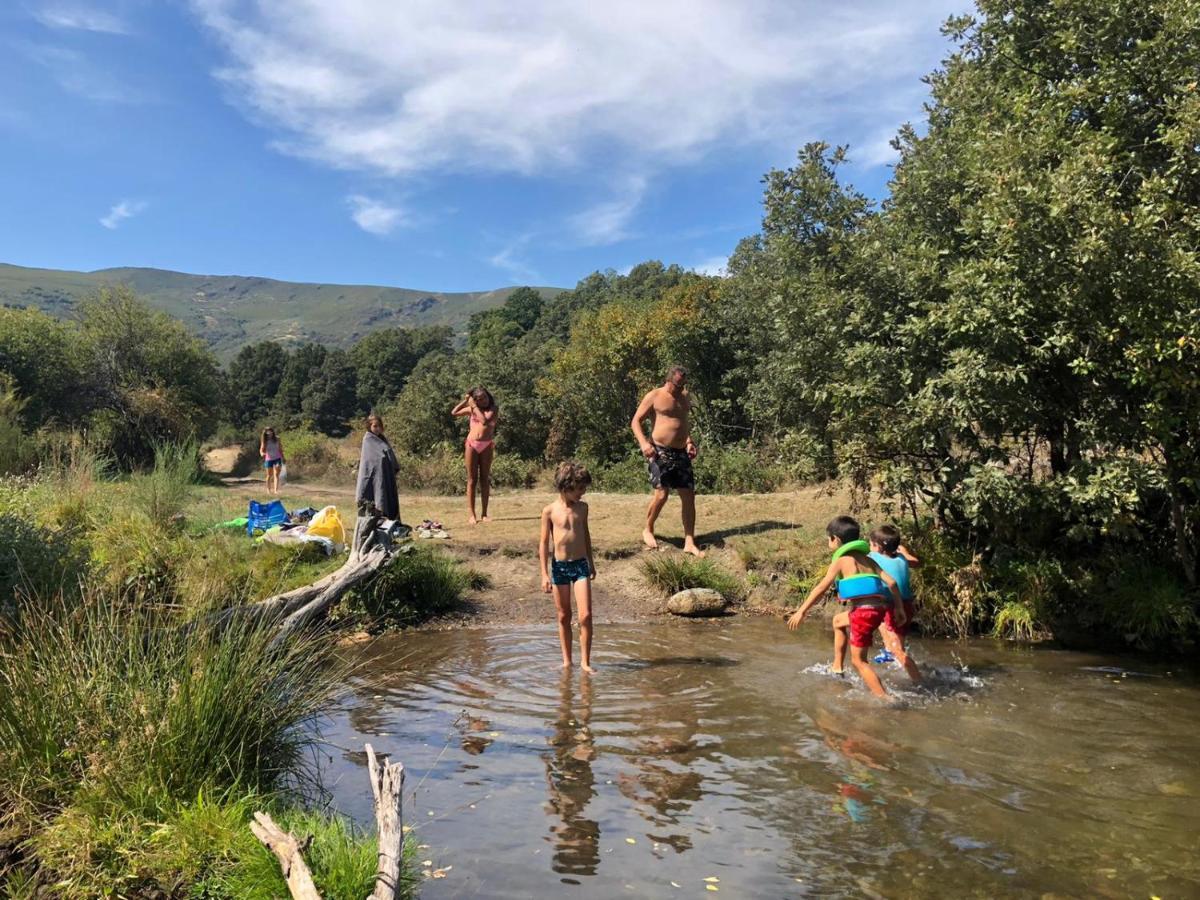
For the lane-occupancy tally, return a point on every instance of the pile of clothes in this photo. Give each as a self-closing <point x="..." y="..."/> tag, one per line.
<point x="272" y="523"/>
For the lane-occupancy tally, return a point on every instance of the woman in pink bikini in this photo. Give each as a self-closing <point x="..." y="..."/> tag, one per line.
<point x="480" y="450"/>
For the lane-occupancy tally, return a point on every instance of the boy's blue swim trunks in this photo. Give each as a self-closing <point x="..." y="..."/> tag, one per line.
<point x="568" y="571"/>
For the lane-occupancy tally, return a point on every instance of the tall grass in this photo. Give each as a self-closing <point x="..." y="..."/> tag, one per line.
<point x="670" y="573"/>
<point x="113" y="707"/>
<point x="415" y="586"/>
<point x="163" y="493"/>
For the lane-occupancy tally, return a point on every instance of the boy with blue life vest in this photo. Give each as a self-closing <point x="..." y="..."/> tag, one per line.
<point x="895" y="559"/>
<point x="870" y="593"/>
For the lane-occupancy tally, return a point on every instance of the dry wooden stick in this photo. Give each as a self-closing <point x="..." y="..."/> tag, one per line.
<point x="289" y="852"/>
<point x="387" y="783"/>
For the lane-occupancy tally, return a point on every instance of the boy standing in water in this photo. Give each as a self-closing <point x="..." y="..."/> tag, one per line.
<point x="565" y="553"/>
<point x="895" y="559"/>
<point x="868" y="590"/>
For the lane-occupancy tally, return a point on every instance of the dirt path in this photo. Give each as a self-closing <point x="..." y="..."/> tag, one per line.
<point x="732" y="529"/>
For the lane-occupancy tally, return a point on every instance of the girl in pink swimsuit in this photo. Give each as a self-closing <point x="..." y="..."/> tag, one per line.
<point x="480" y="448"/>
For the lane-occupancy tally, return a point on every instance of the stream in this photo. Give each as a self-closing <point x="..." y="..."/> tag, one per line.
<point x="722" y="759"/>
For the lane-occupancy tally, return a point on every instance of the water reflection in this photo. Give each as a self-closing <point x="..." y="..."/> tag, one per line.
<point x="570" y="780"/>
<point x="727" y="746"/>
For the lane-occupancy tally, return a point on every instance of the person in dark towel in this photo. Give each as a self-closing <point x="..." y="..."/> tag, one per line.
<point x="376" y="493"/>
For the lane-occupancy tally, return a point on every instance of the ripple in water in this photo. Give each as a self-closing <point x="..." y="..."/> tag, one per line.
<point x="733" y="753"/>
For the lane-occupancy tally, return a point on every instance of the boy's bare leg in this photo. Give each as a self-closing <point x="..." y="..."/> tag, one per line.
<point x="841" y="627"/>
<point x="583" y="599"/>
<point x="562" y="600"/>
<point x="472" y="468"/>
<point x="485" y="480"/>
<point x="858" y="656"/>
<point x="657" y="502"/>
<point x="688" y="499"/>
<point x="895" y="646"/>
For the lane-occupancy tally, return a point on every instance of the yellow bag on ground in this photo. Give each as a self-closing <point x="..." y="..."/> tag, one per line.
<point x="328" y="524"/>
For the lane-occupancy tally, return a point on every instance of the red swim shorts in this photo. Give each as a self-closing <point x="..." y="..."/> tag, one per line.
<point x="909" y="612"/>
<point x="863" y="622"/>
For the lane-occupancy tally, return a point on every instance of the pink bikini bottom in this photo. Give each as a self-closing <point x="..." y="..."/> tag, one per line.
<point x="479" y="446"/>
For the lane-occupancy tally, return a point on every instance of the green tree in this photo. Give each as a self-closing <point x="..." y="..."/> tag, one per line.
<point x="419" y="419"/>
<point x="44" y="359"/>
<point x="254" y="378"/>
<point x="302" y="366"/>
<point x="153" y="380"/>
<point x="328" y="399"/>
<point x="384" y="359"/>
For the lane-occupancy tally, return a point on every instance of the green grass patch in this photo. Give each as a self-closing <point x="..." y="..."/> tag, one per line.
<point x="417" y="585"/>
<point x="669" y="573"/>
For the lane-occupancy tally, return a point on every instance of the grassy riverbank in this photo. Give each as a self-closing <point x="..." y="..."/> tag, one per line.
<point x="136" y="744"/>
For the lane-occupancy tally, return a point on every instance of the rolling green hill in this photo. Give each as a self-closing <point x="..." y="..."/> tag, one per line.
<point x="230" y="311"/>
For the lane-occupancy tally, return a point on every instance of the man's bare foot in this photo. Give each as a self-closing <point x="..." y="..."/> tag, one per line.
<point x="486" y="518"/>
<point x="566" y="664"/>
<point x="690" y="547"/>
<point x="587" y="668"/>
<point x="649" y="540"/>
<point x="471" y="520"/>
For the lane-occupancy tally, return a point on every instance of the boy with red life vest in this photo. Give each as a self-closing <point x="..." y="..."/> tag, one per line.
<point x="870" y="593"/>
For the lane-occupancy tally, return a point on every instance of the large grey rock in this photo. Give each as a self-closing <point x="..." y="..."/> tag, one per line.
<point x="697" y="602"/>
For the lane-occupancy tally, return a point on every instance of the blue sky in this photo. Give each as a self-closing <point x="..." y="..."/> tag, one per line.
<point x="432" y="144"/>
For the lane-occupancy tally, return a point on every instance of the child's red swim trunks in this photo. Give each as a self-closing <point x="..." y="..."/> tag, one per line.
<point x="909" y="612"/>
<point x="863" y="622"/>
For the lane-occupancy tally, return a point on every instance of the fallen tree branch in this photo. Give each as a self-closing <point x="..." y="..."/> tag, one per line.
<point x="289" y="851"/>
<point x="387" y="783"/>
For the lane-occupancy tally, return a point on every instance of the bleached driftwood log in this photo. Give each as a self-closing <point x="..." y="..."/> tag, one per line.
<point x="387" y="784"/>
<point x="289" y="851"/>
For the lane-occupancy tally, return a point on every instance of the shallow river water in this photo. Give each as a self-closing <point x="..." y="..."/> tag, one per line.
<point x="725" y="751"/>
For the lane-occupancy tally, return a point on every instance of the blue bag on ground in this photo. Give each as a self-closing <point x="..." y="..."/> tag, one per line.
<point x="262" y="516"/>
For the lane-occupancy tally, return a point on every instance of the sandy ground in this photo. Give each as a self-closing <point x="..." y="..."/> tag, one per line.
<point x="730" y="529"/>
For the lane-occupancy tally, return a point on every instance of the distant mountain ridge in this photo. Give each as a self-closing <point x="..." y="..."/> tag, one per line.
<point x="230" y="311"/>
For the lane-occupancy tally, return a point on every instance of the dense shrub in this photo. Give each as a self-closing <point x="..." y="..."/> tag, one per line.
<point x="38" y="562"/>
<point x="112" y="705"/>
<point x="417" y="585"/>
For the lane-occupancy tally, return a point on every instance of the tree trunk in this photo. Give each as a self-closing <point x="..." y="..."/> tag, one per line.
<point x="387" y="783"/>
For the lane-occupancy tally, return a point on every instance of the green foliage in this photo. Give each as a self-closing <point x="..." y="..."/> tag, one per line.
<point x="1145" y="604"/>
<point x="419" y="419"/>
<point x="626" y="475"/>
<point x="162" y="494"/>
<point x="327" y="399"/>
<point x="45" y="361"/>
<point x="154" y="381"/>
<point x="669" y="573"/>
<point x="383" y="360"/>
<point x="38" y="562"/>
<point x="17" y="451"/>
<point x="309" y="454"/>
<point x="112" y="706"/>
<point x="303" y="365"/>
<point x="417" y="585"/>
<point x="255" y="375"/>
<point x="737" y="470"/>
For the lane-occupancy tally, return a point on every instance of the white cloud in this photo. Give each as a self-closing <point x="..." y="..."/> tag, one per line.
<point x="714" y="265"/>
<point x="78" y="16"/>
<point x="373" y="216"/>
<point x="507" y="258"/>
<point x="125" y="209"/>
<point x="608" y="222"/>
<point x="76" y="74"/>
<point x="544" y="85"/>
<point x="574" y="91"/>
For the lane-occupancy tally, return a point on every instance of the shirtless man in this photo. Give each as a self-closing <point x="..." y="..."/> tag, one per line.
<point x="669" y="454"/>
